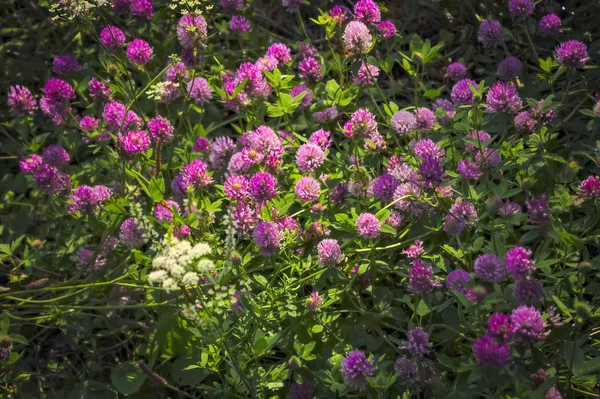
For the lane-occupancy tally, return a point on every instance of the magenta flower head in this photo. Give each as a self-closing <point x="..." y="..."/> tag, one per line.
<point x="307" y="189"/>
<point x="245" y="217"/>
<point x="191" y="30"/>
<point x="518" y="262"/>
<point x="461" y="92"/>
<point x="329" y="252"/>
<point x="112" y="37"/>
<point x="231" y="6"/>
<point x="481" y="137"/>
<point x="115" y="118"/>
<point x="538" y="209"/>
<point x="366" y="75"/>
<point x="362" y="123"/>
<point x="57" y="90"/>
<point x="403" y="122"/>
<point x="490" y="268"/>
<point x="322" y="138"/>
<point x="418" y="343"/>
<point x="263" y="186"/>
<point x="509" y="208"/>
<point x="309" y="157"/>
<point x="139" y="52"/>
<point x="488" y="350"/>
<point x="386" y="29"/>
<point x="383" y="187"/>
<point x="468" y="170"/>
<point x="453" y="225"/>
<point x="357" y="370"/>
<point x="201" y="145"/>
<point x="132" y="234"/>
<point x="503" y="97"/>
<point x="456" y="71"/>
<point x="419" y="278"/>
<point x="357" y="37"/>
<point x="489" y="159"/>
<point x="307" y="100"/>
<point x="199" y="90"/>
<point x="521" y="8"/>
<point x="303" y="390"/>
<point x="87" y="199"/>
<point x="307" y="50"/>
<point x="499" y="326"/>
<point x="572" y="54"/>
<point x="490" y="33"/>
<point x="425" y="118"/>
<point x="195" y="174"/>
<point x="21" y="101"/>
<point x="51" y="179"/>
<point x="529" y="291"/>
<point x="267" y="237"/>
<point x="134" y="142"/>
<point x="458" y="280"/>
<point x="314" y="302"/>
<point x="65" y="64"/>
<point x="165" y="213"/>
<point x="177" y="71"/>
<point x="141" y="9"/>
<point x="510" y="68"/>
<point x="55" y="155"/>
<point x="367" y="225"/>
<point x="99" y="90"/>
<point x="527" y="325"/>
<point x="431" y="171"/>
<point x="590" y="187"/>
<point x="239" y="25"/>
<point x="553" y="393"/>
<point x="280" y="52"/>
<point x="221" y="151"/>
<point x="310" y="69"/>
<point x="340" y="14"/>
<point x="367" y="12"/>
<point x="30" y="164"/>
<point x="525" y="122"/>
<point x="160" y="129"/>
<point x="549" y="25"/>
<point x="236" y="187"/>
<point x="327" y="115"/>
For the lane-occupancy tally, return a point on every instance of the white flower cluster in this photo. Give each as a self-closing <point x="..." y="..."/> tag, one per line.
<point x="146" y="225"/>
<point x="196" y="5"/>
<point x="163" y="91"/>
<point x="180" y="264"/>
<point x="76" y="8"/>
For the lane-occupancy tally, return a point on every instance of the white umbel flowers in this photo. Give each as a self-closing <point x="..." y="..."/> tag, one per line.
<point x="179" y="264"/>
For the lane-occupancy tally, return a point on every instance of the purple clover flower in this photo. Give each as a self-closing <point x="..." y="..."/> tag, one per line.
<point x="490" y="268"/>
<point x="357" y="370"/>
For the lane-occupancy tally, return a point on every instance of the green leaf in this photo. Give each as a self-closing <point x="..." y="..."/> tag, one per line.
<point x="19" y="339"/>
<point x="186" y="371"/>
<point x="261" y="280"/>
<point x="156" y="188"/>
<point x="587" y="368"/>
<point x="422" y="308"/>
<point x="431" y="94"/>
<point x="239" y="88"/>
<point x="317" y="328"/>
<point x="127" y="378"/>
<point x="386" y="228"/>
